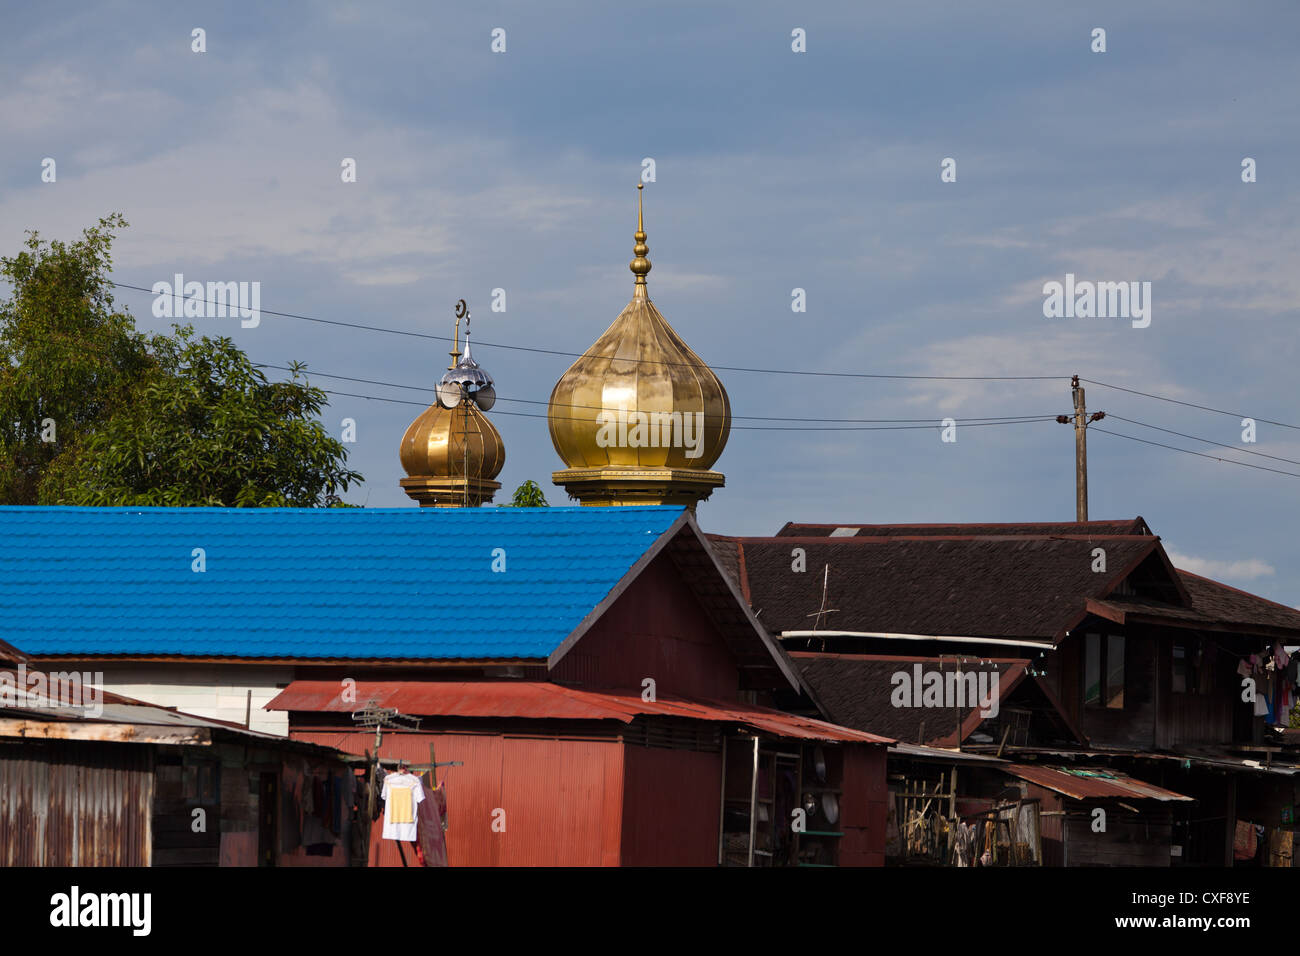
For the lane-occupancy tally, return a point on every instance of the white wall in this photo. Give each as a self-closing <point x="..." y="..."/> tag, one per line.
<point x="219" y="691"/>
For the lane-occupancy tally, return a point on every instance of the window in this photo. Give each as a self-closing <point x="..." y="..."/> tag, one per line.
<point x="200" y="783"/>
<point x="1115" y="670"/>
<point x="1180" y="668"/>
<point x="1092" y="670"/>
<point x="1103" y="670"/>
<point x="1188" y="676"/>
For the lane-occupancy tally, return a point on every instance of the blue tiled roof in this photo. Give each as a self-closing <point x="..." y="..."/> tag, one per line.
<point x="311" y="583"/>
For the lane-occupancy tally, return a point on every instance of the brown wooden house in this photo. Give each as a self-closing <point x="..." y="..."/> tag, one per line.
<point x="1173" y="678"/>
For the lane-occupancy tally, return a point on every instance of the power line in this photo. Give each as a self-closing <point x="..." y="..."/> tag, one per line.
<point x="855" y="428"/>
<point x="777" y="371"/>
<point x="1188" y="451"/>
<point x="1024" y="421"/>
<point x="1170" y="431"/>
<point x="541" y="351"/>
<point x="756" y="418"/>
<point x="1175" y="401"/>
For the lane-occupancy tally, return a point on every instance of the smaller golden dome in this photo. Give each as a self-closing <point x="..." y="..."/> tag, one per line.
<point x="435" y="444"/>
<point x="452" y="455"/>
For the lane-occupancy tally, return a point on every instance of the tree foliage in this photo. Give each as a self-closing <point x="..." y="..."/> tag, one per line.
<point x="529" y="495"/>
<point x="142" y="419"/>
<point x="68" y="358"/>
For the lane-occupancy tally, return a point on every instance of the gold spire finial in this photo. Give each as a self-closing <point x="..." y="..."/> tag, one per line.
<point x="640" y="265"/>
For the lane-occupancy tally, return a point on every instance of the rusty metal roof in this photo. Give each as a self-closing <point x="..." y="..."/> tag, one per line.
<point x="25" y="711"/>
<point x="544" y="700"/>
<point x="1092" y="783"/>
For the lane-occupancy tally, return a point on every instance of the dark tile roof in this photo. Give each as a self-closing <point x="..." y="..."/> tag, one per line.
<point x="1213" y="605"/>
<point x="1223" y="603"/>
<point x="855" y="690"/>
<point x="725" y="550"/>
<point x="1134" y="526"/>
<point x="1010" y="586"/>
<point x="860" y="691"/>
<point x="1012" y="581"/>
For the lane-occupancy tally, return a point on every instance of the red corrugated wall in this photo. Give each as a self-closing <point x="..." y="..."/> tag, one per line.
<point x="863" y="806"/>
<point x="655" y="629"/>
<point x="562" y="799"/>
<point x="670" y="807"/>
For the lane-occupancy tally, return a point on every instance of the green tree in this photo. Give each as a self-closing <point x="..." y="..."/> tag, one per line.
<point x="143" y="420"/>
<point x="68" y="358"/>
<point x="529" y="495"/>
<point x="211" y="430"/>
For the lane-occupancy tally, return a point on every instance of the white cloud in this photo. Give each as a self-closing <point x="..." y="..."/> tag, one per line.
<point x="1247" y="569"/>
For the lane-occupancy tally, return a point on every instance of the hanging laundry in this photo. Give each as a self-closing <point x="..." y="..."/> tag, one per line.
<point x="1245" y="841"/>
<point x="402" y="795"/>
<point x="380" y="774"/>
<point x="290" y="811"/>
<point x="1243" y="668"/>
<point x="1281" y="848"/>
<point x="432" y="843"/>
<point x="342" y="802"/>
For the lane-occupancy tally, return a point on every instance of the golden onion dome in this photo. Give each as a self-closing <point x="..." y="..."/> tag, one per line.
<point x="451" y="443"/>
<point x="451" y="452"/>
<point x="640" y="398"/>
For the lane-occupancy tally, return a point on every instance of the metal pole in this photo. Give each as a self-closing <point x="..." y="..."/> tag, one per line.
<point x="956" y="706"/>
<point x="722" y="803"/>
<point x="753" y="805"/>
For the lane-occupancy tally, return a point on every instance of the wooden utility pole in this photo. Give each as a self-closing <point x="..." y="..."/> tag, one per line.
<point x="1080" y="454"/>
<point x="1081" y="421"/>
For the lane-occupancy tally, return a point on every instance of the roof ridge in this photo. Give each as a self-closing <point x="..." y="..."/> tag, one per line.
<point x="879" y="538"/>
<point x="1249" y="594"/>
<point x="956" y="524"/>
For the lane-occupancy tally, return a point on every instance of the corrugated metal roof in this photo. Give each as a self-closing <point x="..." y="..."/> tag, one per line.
<point x="1096" y="783"/>
<point x="99" y="706"/>
<point x="940" y="753"/>
<point x="323" y="583"/>
<point x="542" y="700"/>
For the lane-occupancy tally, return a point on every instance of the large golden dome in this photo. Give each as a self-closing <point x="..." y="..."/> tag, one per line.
<point x="640" y="418"/>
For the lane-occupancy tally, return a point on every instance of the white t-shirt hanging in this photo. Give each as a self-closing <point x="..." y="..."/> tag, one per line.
<point x="402" y="794"/>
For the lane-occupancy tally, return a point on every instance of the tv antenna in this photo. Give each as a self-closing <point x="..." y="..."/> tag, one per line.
<point x="466" y="381"/>
<point x="372" y="715"/>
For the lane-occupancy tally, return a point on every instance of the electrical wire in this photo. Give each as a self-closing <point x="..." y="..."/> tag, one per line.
<point x="756" y="418"/>
<point x="854" y="428"/>
<point x="1170" y="431"/>
<point x="1175" y="401"/>
<point x="541" y="351"/>
<point x="1188" y="451"/>
<point x="736" y="368"/>
<point x="801" y="372"/>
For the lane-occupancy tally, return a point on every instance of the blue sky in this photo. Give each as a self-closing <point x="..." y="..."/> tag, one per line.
<point x="774" y="170"/>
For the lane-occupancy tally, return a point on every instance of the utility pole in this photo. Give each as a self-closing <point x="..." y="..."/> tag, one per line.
<point x="1081" y="421"/>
